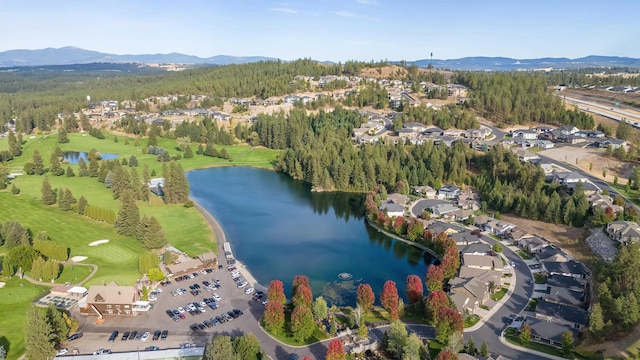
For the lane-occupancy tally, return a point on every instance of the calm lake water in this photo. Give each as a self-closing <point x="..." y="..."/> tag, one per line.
<point x="279" y="229"/>
<point x="72" y="157"/>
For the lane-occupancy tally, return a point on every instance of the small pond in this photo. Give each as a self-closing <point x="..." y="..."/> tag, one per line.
<point x="72" y="157"/>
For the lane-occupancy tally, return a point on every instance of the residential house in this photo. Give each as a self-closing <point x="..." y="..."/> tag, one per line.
<point x="468" y="200"/>
<point x="567" y="268"/>
<point x="485" y="276"/>
<point x="442" y="227"/>
<point x="624" y="232"/>
<point x="476" y="248"/>
<point x="112" y="300"/>
<point x="417" y="127"/>
<point x="525" y="155"/>
<point x="481" y="220"/>
<point x="464" y="238"/>
<point x="575" y="317"/>
<point x="614" y="143"/>
<point x="468" y="294"/>
<point x="544" y="144"/>
<point x="568" y="129"/>
<point x="442" y="209"/>
<point x="565" y="290"/>
<point x="602" y="202"/>
<point x="551" y="253"/>
<point x="453" y="132"/>
<point x="426" y="191"/>
<point x="543" y="129"/>
<point x="566" y="177"/>
<point x="548" y="332"/>
<point x="532" y="244"/>
<point x="460" y="215"/>
<point x="497" y="227"/>
<point x="588" y="188"/>
<point x="515" y="235"/>
<point x="392" y="209"/>
<point x="482" y="262"/>
<point x="525" y="134"/>
<point x="449" y="191"/>
<point x="397" y="198"/>
<point x="434" y="132"/>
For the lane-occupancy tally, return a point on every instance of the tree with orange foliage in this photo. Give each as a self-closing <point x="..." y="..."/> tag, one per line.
<point x="365" y="297"/>
<point x="434" y="278"/>
<point x="335" y="351"/>
<point x="389" y="299"/>
<point x="414" y="288"/>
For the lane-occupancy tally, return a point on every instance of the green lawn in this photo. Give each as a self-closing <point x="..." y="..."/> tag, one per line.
<point x="499" y="295"/>
<point x="117" y="260"/>
<point x="523" y="254"/>
<point x="547" y="349"/>
<point x="471" y="320"/>
<point x="15" y="300"/>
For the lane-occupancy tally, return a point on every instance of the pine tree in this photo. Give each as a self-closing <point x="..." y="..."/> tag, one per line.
<point x="83" y="171"/>
<point x="133" y="161"/>
<point x="70" y="172"/>
<point x="39" y="336"/>
<point x="94" y="167"/>
<point x="220" y="348"/>
<point x="38" y="163"/>
<point x="150" y="233"/>
<point x="82" y="204"/>
<point x="65" y="200"/>
<point x="48" y="198"/>
<point x="188" y="153"/>
<point x="129" y="216"/>
<point x="62" y="135"/>
<point x="15" y="146"/>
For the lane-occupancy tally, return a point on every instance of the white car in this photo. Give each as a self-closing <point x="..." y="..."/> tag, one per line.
<point x="243" y="284"/>
<point x="265" y="301"/>
<point x="62" y="351"/>
<point x="216" y="297"/>
<point x="145" y="336"/>
<point x="181" y="310"/>
<point x="203" y="304"/>
<point x="249" y="290"/>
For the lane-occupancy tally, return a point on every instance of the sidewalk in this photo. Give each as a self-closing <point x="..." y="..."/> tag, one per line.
<point x="506" y="342"/>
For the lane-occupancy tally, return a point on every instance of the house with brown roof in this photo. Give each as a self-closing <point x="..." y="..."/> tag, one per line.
<point x="112" y="299"/>
<point x="468" y="200"/>
<point x="483" y="262"/>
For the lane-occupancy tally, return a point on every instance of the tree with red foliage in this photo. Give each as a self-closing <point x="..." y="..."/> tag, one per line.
<point x="450" y="262"/>
<point x="441" y="242"/>
<point x="448" y="321"/>
<point x="414" y="288"/>
<point x="276" y="292"/>
<point x="382" y="218"/>
<point x="365" y="297"/>
<point x="302" y="296"/>
<point x="335" y="351"/>
<point x="389" y="299"/>
<point x="434" y="278"/>
<point x="307" y="358"/>
<point x="297" y="281"/>
<point x="273" y="319"/>
<point x="436" y="300"/>
<point x="400" y="225"/>
<point x="446" y="355"/>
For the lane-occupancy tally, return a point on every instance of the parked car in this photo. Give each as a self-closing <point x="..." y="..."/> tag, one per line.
<point x="62" y="352"/>
<point x="75" y="336"/>
<point x="102" y="351"/>
<point x="145" y="336"/>
<point x="156" y="335"/>
<point x="113" y="336"/>
<point x="125" y="336"/>
<point x="151" y="348"/>
<point x="133" y="335"/>
<point x="164" y="335"/>
<point x="243" y="284"/>
<point x="249" y="290"/>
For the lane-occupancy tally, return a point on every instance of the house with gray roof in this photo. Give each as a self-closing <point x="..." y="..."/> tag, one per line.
<point x="550" y="253"/>
<point x="441" y="210"/>
<point x="468" y="200"/>
<point x="548" y="332"/>
<point x="392" y="209"/>
<point x="575" y="317"/>
<point x="525" y="134"/>
<point x="566" y="268"/>
<point x="477" y="248"/>
<point x="449" y="191"/>
<point x="497" y="227"/>
<point x="565" y="177"/>
<point x="425" y="204"/>
<point x="426" y="191"/>
<point x="624" y="232"/>
<point x="464" y="238"/>
<point x="483" y="262"/>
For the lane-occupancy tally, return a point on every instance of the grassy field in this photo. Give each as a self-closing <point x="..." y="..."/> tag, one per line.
<point x="15" y="300"/>
<point x="117" y="260"/>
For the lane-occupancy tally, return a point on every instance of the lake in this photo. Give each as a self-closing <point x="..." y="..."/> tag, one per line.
<point x="278" y="228"/>
<point x="72" y="157"/>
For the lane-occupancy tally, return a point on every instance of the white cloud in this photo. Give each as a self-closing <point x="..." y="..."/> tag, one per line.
<point x="285" y="10"/>
<point x="367" y="2"/>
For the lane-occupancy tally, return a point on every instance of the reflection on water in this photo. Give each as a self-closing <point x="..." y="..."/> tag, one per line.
<point x="278" y="228"/>
<point x="72" y="157"/>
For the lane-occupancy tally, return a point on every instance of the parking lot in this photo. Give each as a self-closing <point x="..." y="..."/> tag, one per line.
<point x="193" y="326"/>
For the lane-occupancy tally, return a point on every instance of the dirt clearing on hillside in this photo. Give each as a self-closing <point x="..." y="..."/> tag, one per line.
<point x="586" y="158"/>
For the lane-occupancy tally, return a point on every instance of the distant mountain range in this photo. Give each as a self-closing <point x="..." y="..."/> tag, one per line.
<point x="73" y="55"/>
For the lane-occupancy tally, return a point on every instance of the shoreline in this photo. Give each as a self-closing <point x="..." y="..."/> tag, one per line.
<point x="220" y="240"/>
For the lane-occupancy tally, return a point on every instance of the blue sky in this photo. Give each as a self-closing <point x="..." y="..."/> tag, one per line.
<point x="335" y="30"/>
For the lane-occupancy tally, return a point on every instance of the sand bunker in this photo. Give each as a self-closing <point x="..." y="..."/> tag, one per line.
<point x="2" y="284"/>
<point x="98" y="242"/>
<point x="78" y="258"/>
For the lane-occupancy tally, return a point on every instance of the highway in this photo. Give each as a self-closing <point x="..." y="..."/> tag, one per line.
<point x="604" y="110"/>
